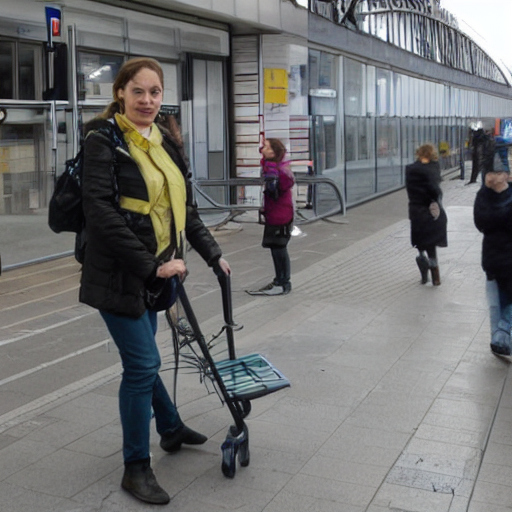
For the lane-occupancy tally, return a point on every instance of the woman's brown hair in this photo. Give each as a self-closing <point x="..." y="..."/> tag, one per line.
<point x="427" y="151"/>
<point x="278" y="148"/>
<point x="128" y="70"/>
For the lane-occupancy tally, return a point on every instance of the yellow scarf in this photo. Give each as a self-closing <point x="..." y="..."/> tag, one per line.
<point x="164" y="181"/>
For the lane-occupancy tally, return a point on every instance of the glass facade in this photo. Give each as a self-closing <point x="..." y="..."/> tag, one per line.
<point x="356" y="122"/>
<point x="45" y="115"/>
<point x="387" y="115"/>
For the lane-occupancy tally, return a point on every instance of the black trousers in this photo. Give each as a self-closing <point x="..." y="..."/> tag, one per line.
<point x="281" y="265"/>
<point x="431" y="252"/>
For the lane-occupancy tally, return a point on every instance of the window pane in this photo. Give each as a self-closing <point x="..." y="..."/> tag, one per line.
<point x="170" y="83"/>
<point x="360" y="157"/>
<point x="314" y="68"/>
<point x="383" y="92"/>
<point x="6" y="70"/>
<point x="327" y="71"/>
<point x="354" y="88"/>
<point x="96" y="75"/>
<point x="27" y="69"/>
<point x="22" y="180"/>
<point x="215" y="101"/>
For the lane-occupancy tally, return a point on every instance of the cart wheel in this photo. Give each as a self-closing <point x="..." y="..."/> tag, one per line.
<point x="246" y="408"/>
<point x="229" y="449"/>
<point x="243" y="450"/>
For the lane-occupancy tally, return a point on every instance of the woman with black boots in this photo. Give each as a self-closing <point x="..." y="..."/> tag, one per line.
<point x="278" y="211"/>
<point x="426" y="213"/>
<point x="138" y="210"/>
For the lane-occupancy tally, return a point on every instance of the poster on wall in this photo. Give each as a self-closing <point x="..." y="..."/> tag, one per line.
<point x="506" y="129"/>
<point x="275" y="83"/>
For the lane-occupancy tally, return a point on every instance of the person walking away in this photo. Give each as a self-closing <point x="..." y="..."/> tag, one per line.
<point x="278" y="212"/>
<point x="426" y="213"/>
<point x="492" y="214"/>
<point x="138" y="208"/>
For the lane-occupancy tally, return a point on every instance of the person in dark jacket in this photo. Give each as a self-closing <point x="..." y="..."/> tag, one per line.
<point x="138" y="210"/>
<point x="493" y="217"/>
<point x="278" y="212"/>
<point x="426" y="213"/>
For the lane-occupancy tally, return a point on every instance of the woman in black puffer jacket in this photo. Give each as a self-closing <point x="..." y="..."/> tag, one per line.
<point x="138" y="210"/>
<point x="426" y="213"/>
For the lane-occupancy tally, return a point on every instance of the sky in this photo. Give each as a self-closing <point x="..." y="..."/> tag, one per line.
<point x="489" y="22"/>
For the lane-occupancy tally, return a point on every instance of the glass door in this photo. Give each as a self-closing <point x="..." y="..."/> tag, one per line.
<point x="209" y="148"/>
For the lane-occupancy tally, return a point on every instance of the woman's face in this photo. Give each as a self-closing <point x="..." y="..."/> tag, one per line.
<point x="142" y="97"/>
<point x="267" y="151"/>
<point x="496" y="180"/>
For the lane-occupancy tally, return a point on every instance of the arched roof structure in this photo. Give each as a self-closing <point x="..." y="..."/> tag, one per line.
<point x="421" y="27"/>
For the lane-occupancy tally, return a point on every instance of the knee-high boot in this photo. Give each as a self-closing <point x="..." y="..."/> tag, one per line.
<point x="434" y="270"/>
<point x="423" y="265"/>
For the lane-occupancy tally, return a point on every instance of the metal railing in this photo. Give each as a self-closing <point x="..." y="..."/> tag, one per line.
<point x="301" y="217"/>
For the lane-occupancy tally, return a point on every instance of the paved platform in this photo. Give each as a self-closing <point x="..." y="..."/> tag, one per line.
<point x="396" y="402"/>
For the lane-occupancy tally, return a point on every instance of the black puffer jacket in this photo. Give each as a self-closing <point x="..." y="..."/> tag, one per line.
<point x="120" y="259"/>
<point x="492" y="214"/>
<point x="423" y="186"/>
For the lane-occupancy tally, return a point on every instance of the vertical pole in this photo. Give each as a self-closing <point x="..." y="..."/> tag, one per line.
<point x="54" y="122"/>
<point x="74" y="88"/>
<point x="461" y="152"/>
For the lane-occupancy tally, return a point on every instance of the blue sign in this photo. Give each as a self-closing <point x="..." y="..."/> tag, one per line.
<point x="53" y="19"/>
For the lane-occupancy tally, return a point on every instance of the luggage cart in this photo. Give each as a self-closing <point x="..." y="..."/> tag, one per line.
<point x="236" y="380"/>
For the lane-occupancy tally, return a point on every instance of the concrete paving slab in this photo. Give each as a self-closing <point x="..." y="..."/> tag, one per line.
<point x="486" y="507"/>
<point x="345" y="471"/>
<point x="492" y="494"/>
<point x="16" y="498"/>
<point x="403" y="498"/>
<point x="53" y="473"/>
<point x="20" y="455"/>
<point x="345" y="493"/>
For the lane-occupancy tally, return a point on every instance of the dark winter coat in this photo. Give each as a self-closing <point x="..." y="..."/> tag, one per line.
<point x="492" y="214"/>
<point x="120" y="261"/>
<point x="423" y="187"/>
<point x="277" y="193"/>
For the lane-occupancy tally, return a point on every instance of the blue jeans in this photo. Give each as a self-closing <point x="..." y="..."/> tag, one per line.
<point x="141" y="386"/>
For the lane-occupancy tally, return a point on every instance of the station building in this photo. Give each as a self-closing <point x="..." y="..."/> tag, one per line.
<point x="351" y="86"/>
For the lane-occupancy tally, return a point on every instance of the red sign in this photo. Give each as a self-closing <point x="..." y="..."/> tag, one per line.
<point x="55" y="27"/>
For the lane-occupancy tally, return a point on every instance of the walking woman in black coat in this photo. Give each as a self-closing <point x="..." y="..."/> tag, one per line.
<point x="427" y="216"/>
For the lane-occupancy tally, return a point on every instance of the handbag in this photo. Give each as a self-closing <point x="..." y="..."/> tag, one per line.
<point x="271" y="188"/>
<point x="276" y="236"/>
<point x="65" y="208"/>
<point x="162" y="293"/>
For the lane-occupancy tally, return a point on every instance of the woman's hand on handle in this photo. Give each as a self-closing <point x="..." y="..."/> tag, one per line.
<point x="222" y="266"/>
<point x="172" y="268"/>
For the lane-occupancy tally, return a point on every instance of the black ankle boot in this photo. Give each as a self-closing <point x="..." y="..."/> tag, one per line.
<point x="139" y="480"/>
<point x="423" y="265"/>
<point x="172" y="442"/>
